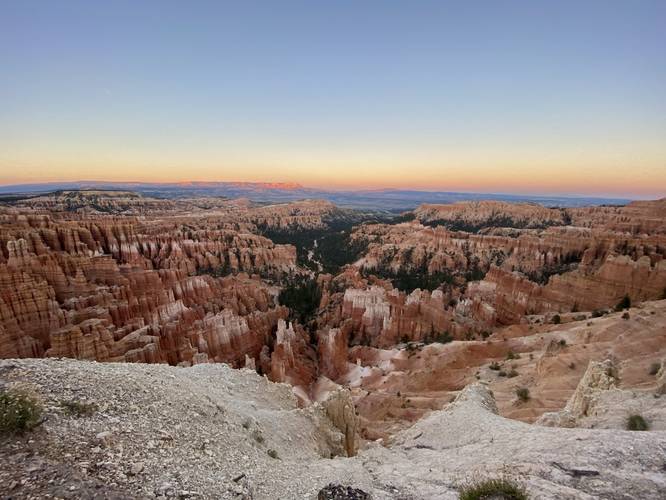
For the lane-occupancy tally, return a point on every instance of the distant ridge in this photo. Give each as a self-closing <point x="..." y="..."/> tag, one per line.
<point x="389" y="200"/>
<point x="42" y="186"/>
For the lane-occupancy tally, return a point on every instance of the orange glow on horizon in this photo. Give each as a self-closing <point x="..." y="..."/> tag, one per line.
<point x="604" y="174"/>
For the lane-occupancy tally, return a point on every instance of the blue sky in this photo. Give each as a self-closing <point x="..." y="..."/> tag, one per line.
<point x="471" y="95"/>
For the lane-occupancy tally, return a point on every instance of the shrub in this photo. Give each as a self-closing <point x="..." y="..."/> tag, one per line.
<point x="512" y="373"/>
<point x="444" y="338"/>
<point x="625" y="315"/>
<point x="338" y="491"/>
<point x="625" y="303"/>
<point x="493" y="488"/>
<point x="523" y="394"/>
<point x="654" y="368"/>
<point x="572" y="366"/>
<point x="404" y="217"/>
<point x="258" y="437"/>
<point x="597" y="313"/>
<point x="78" y="409"/>
<point x="494" y="366"/>
<point x="563" y="343"/>
<point x="20" y="410"/>
<point x="636" y="423"/>
<point x="512" y="355"/>
<point x="273" y="454"/>
<point x="501" y="373"/>
<point x="556" y="319"/>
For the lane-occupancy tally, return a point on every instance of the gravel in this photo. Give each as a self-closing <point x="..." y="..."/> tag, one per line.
<point x="166" y="432"/>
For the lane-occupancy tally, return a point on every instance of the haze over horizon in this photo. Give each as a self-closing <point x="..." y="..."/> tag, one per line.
<point x="278" y="185"/>
<point x="522" y="98"/>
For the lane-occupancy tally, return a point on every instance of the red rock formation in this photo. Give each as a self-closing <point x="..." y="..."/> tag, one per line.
<point x="293" y="360"/>
<point x="134" y="279"/>
<point x="333" y="353"/>
<point x="121" y="288"/>
<point x="490" y="213"/>
<point x="638" y="217"/>
<point x="506" y="297"/>
<point x="526" y="271"/>
<point x="384" y="318"/>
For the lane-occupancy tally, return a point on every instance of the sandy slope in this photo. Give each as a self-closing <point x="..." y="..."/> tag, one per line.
<point x="192" y="433"/>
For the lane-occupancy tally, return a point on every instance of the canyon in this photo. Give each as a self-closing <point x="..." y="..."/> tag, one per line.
<point x="375" y="323"/>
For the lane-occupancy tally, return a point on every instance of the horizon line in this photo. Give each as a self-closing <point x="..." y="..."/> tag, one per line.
<point x="290" y="185"/>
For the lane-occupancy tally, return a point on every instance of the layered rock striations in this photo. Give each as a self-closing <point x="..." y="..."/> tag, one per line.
<point x="499" y="277"/>
<point x="127" y="288"/>
<point x="638" y="217"/>
<point x="475" y="215"/>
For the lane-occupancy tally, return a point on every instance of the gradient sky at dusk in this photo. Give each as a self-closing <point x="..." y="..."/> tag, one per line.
<point x="497" y="96"/>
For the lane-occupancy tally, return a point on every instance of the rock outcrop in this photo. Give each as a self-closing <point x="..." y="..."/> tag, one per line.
<point x="638" y="217"/>
<point x="342" y="412"/>
<point x="384" y="318"/>
<point x="598" y="377"/>
<point x="474" y="215"/>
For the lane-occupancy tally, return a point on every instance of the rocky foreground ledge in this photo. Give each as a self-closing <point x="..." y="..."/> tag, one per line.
<point x="143" y="431"/>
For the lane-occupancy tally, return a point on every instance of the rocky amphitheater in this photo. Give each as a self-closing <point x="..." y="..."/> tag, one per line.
<point x="222" y="348"/>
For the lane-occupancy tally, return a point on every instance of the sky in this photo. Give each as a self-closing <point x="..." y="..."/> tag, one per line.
<point x="564" y="97"/>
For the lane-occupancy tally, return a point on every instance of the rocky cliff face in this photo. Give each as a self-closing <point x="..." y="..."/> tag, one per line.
<point x="510" y="296"/>
<point x="503" y="275"/>
<point x="638" y="217"/>
<point x="122" y="288"/>
<point x="475" y="215"/>
<point x="384" y="318"/>
<point x="307" y="214"/>
<point x="235" y="213"/>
